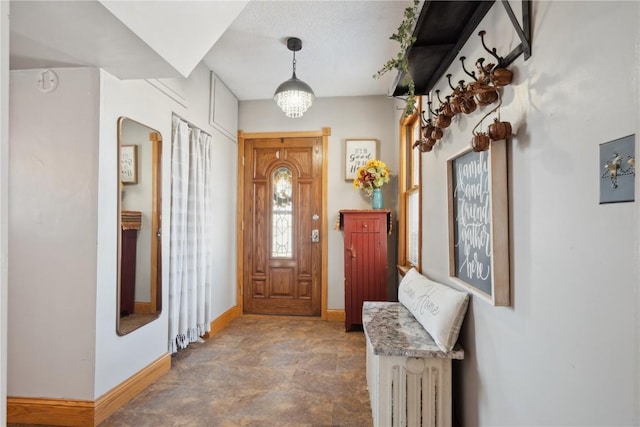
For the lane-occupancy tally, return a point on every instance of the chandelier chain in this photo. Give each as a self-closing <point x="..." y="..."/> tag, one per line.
<point x="294" y="62"/>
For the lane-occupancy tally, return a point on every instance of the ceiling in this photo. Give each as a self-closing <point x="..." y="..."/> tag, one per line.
<point x="344" y="42"/>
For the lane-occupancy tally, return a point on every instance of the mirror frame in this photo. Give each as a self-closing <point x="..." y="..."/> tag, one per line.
<point x="155" y="292"/>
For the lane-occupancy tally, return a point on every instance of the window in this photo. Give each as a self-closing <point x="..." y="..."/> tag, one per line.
<point x="410" y="230"/>
<point x="282" y="214"/>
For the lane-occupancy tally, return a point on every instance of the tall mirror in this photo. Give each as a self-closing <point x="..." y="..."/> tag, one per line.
<point x="139" y="284"/>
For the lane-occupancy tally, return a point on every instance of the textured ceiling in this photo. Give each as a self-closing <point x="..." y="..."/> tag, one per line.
<point x="344" y="41"/>
<point x="343" y="44"/>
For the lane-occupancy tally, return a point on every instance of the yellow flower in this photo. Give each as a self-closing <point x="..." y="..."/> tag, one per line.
<point x="372" y="175"/>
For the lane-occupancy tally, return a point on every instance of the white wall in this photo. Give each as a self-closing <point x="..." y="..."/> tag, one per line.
<point x="566" y="352"/>
<point x="348" y="118"/>
<point x="4" y="173"/>
<point x="52" y="234"/>
<point x="117" y="358"/>
<point x="64" y="186"/>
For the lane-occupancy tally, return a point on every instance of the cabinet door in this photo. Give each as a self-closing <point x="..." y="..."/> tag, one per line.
<point x="128" y="272"/>
<point x="365" y="262"/>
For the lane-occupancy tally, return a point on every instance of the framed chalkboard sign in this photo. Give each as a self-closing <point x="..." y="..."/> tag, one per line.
<point x="479" y="222"/>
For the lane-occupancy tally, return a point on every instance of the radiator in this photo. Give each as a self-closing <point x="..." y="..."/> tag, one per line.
<point x="409" y="391"/>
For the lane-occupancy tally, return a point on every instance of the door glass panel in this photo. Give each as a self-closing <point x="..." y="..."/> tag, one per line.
<point x="282" y="214"/>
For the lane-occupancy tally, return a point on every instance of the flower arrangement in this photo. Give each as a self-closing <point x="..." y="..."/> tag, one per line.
<point x="372" y="175"/>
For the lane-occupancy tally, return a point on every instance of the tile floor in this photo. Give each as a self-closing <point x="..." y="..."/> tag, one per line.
<point x="260" y="372"/>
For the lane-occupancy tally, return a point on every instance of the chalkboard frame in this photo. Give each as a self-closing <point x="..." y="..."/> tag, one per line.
<point x="499" y="292"/>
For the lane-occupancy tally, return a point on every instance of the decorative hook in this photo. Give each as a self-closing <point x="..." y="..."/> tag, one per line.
<point x="470" y="74"/>
<point x="480" y="66"/>
<point x="462" y="86"/>
<point x="425" y="121"/>
<point x="449" y="79"/>
<point x="430" y="110"/>
<point x="492" y="51"/>
<point x="438" y="95"/>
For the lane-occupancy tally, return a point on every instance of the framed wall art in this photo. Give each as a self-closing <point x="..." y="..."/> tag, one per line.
<point x="479" y="222"/>
<point x="357" y="153"/>
<point x="129" y="164"/>
<point x="618" y="170"/>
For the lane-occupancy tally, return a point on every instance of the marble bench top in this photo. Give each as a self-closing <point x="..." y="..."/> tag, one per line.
<point x="393" y="331"/>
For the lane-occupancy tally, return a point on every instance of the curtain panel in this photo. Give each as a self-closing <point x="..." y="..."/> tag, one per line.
<point x="191" y="235"/>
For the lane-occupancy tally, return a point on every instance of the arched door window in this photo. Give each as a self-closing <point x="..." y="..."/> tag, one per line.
<point x="282" y="213"/>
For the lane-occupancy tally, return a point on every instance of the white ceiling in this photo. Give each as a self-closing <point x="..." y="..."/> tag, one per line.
<point x="344" y="42"/>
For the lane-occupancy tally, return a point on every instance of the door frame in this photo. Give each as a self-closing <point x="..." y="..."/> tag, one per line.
<point x="324" y="134"/>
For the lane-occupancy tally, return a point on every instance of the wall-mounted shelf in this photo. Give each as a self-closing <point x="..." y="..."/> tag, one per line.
<point x="443" y="28"/>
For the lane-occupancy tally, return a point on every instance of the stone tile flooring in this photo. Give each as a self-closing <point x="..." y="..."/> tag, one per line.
<point x="260" y="372"/>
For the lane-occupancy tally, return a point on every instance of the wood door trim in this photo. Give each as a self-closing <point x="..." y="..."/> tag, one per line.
<point x="296" y="134"/>
<point x="156" y="141"/>
<point x="324" y="134"/>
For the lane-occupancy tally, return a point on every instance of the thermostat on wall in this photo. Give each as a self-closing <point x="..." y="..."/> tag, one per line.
<point x="47" y="81"/>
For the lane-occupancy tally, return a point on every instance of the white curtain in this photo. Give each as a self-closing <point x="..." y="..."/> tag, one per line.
<point x="191" y="240"/>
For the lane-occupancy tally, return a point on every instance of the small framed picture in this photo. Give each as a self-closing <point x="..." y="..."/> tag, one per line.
<point x="129" y="164"/>
<point x="617" y="170"/>
<point x="357" y="153"/>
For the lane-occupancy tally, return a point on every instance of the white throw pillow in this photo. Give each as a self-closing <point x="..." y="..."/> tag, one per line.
<point x="437" y="307"/>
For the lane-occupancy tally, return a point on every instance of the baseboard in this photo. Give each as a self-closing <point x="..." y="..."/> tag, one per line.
<point x="142" y="308"/>
<point x="84" y="413"/>
<point x="222" y="321"/>
<point x="335" y="315"/>
<point x="121" y="394"/>
<point x="54" y="412"/>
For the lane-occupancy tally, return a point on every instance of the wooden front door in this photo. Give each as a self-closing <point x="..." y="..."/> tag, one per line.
<point x="282" y="208"/>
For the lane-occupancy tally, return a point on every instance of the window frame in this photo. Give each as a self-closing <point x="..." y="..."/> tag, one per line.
<point x="410" y="130"/>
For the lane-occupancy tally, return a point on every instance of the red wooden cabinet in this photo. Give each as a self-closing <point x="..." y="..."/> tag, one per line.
<point x="365" y="260"/>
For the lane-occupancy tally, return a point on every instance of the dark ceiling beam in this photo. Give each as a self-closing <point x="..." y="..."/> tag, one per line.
<point x="440" y="24"/>
<point x="442" y="29"/>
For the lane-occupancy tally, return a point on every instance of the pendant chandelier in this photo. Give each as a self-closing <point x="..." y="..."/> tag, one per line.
<point x="294" y="96"/>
